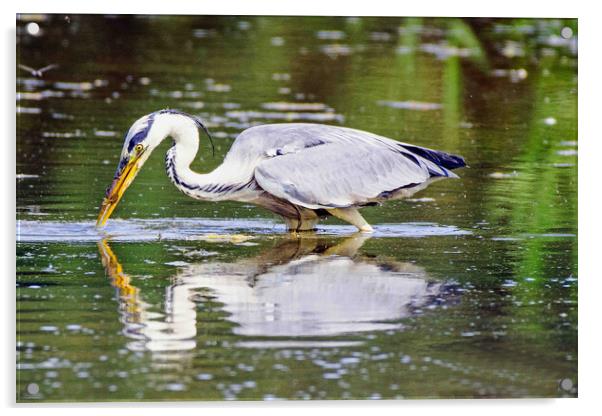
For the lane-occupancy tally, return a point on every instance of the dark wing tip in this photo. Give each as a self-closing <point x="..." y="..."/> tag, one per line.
<point x="453" y="161"/>
<point x="446" y="160"/>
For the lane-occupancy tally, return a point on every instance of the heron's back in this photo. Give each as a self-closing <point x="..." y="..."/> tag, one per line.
<point x="271" y="140"/>
<point x="319" y="166"/>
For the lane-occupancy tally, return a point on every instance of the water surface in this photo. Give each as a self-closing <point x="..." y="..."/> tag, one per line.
<point x="469" y="289"/>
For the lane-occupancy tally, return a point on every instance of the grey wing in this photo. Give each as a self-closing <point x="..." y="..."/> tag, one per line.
<point x="27" y="68"/>
<point x="341" y="174"/>
<point x="48" y="68"/>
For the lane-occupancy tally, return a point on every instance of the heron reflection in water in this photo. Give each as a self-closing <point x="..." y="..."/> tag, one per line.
<point x="299" y="288"/>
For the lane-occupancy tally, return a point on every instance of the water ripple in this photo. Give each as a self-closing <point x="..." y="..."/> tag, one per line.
<point x="195" y="228"/>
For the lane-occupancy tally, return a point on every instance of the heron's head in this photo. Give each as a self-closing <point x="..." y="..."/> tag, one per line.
<point x="142" y="138"/>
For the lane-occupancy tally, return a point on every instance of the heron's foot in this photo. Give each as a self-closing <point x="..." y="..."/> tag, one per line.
<point x="352" y="216"/>
<point x="305" y="225"/>
<point x="221" y="238"/>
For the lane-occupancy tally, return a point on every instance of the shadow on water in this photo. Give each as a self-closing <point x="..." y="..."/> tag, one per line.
<point x="300" y="289"/>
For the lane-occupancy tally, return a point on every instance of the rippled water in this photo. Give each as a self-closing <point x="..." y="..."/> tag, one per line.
<point x="199" y="229"/>
<point x="469" y="289"/>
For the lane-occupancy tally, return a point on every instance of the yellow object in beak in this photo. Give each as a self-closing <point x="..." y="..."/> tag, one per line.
<point x="121" y="182"/>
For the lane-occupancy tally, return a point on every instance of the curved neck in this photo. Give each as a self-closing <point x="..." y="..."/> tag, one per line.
<point x="222" y="183"/>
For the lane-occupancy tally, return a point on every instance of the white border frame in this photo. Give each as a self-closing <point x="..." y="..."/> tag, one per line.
<point x="589" y="151"/>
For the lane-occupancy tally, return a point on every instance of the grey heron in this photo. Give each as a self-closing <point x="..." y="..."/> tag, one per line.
<point x="300" y="171"/>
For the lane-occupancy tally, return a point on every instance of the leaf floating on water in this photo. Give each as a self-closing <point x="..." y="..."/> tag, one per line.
<point x="336" y="50"/>
<point x="203" y="33"/>
<point x="515" y="75"/>
<point x="444" y="51"/>
<point x="277" y="41"/>
<point x="222" y="238"/>
<point x="285" y="115"/>
<point x="81" y="86"/>
<point x="200" y="253"/>
<point x="425" y="199"/>
<point x="410" y="105"/>
<point x="48" y="328"/>
<point x="105" y="133"/>
<point x="28" y="110"/>
<point x="177" y="263"/>
<point x="380" y="36"/>
<point x="330" y="34"/>
<point x="284" y="106"/>
<point x="281" y="76"/>
<point x="502" y="175"/>
<point x="404" y="50"/>
<point x="74" y="327"/>
<point x="550" y="121"/>
<point x="512" y="49"/>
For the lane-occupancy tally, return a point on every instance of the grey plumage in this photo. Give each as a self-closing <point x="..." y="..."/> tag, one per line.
<point x="299" y="171"/>
<point x="319" y="166"/>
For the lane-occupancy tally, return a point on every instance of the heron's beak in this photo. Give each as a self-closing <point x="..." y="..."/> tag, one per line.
<point x="122" y="181"/>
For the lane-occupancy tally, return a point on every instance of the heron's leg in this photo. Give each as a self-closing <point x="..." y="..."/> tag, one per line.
<point x="352" y="216"/>
<point x="306" y="219"/>
<point x="291" y="223"/>
<point x="307" y="224"/>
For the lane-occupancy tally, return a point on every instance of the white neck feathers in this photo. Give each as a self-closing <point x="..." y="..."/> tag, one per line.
<point x="225" y="182"/>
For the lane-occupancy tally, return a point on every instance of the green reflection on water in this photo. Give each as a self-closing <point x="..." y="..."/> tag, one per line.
<point x="507" y="95"/>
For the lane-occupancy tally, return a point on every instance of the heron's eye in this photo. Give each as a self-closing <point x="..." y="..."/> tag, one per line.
<point x="138" y="148"/>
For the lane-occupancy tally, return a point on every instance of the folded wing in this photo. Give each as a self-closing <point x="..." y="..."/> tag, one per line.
<point x="349" y="168"/>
